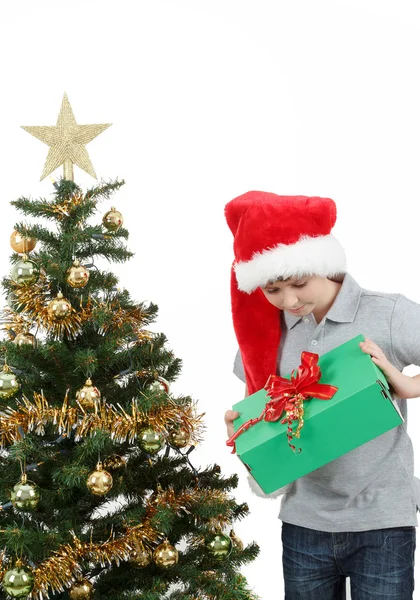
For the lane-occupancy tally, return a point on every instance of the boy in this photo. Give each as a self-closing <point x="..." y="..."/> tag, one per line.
<point x="355" y="516"/>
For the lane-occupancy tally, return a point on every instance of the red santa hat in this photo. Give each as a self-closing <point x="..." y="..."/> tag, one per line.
<point x="274" y="237"/>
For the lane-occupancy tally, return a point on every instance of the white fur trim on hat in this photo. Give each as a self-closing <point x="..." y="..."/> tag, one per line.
<point x="323" y="256"/>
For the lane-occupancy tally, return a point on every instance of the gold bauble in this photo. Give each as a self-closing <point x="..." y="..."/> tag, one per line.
<point x="59" y="308"/>
<point x="209" y="573"/>
<point x="99" y="482"/>
<point x="19" y="581"/>
<point x="77" y="275"/>
<point x="21" y="244"/>
<point x="219" y="545"/>
<point x="81" y="590"/>
<point x="142" y="556"/>
<point x="150" y="441"/>
<point x="155" y="498"/>
<point x="165" y="555"/>
<point x="9" y="383"/>
<point x="179" y="437"/>
<point x="237" y="542"/>
<point x="115" y="462"/>
<point x="25" y="339"/>
<point x="88" y="395"/>
<point x="25" y="272"/>
<point x="113" y="219"/>
<point x="25" y="495"/>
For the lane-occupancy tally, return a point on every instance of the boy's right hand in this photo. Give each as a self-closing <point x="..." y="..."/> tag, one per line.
<point x="230" y="416"/>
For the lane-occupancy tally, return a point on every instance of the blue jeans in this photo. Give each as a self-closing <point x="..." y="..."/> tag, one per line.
<point x="380" y="563"/>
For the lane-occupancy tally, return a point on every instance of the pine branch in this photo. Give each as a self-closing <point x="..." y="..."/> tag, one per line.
<point x="105" y="249"/>
<point x="34" y="208"/>
<point x="103" y="191"/>
<point x="41" y="234"/>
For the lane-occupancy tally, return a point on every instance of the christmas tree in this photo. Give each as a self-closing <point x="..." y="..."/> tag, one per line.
<point x="99" y="494"/>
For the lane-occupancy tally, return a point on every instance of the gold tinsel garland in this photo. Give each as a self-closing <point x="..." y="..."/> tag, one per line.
<point x="123" y="426"/>
<point x="117" y="317"/>
<point x="61" y="570"/>
<point x="14" y="323"/>
<point x="32" y="301"/>
<point x="64" y="209"/>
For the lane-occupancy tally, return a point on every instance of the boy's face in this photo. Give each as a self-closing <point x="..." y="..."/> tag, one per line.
<point x="297" y="295"/>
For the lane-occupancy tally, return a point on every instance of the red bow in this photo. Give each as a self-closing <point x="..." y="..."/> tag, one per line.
<point x="284" y="393"/>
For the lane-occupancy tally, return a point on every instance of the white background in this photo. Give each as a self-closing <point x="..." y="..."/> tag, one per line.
<point x="210" y="100"/>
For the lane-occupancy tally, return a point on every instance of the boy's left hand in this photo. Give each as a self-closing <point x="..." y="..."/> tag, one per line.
<point x="403" y="385"/>
<point x="378" y="357"/>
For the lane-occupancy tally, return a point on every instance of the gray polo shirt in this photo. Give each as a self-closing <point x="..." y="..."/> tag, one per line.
<point x="373" y="486"/>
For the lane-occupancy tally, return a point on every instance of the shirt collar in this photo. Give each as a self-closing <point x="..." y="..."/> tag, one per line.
<point x="344" y="308"/>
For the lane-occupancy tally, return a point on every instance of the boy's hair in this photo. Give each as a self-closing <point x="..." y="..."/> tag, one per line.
<point x="271" y="281"/>
<point x="338" y="278"/>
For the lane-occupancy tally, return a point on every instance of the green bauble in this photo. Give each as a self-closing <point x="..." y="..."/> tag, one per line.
<point x="9" y="383"/>
<point x="159" y="385"/>
<point x="219" y="545"/>
<point x="18" y="582"/>
<point x="25" y="272"/>
<point x="25" y="495"/>
<point x="150" y="440"/>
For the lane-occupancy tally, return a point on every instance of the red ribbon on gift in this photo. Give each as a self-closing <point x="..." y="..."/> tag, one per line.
<point x="286" y="395"/>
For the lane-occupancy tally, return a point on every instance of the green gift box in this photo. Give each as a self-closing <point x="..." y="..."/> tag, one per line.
<point x="361" y="409"/>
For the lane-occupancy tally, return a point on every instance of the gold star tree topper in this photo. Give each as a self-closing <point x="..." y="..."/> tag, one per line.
<point x="67" y="142"/>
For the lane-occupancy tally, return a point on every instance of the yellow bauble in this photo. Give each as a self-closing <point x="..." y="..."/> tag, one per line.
<point x="77" y="276"/>
<point x="21" y="244"/>
<point x="88" y="395"/>
<point x="25" y="339"/>
<point x="179" y="437"/>
<point x="59" y="308"/>
<point x="165" y="556"/>
<point x="141" y="557"/>
<point x="99" y="482"/>
<point x="9" y="383"/>
<point x="81" y="590"/>
<point x="113" y="219"/>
